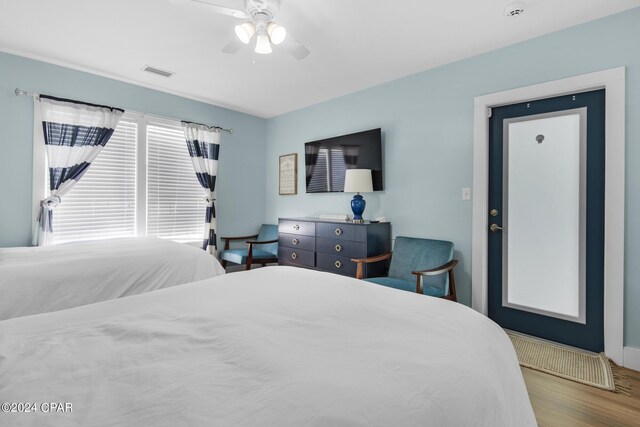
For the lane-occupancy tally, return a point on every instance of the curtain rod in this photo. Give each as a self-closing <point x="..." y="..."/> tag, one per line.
<point x="20" y="92"/>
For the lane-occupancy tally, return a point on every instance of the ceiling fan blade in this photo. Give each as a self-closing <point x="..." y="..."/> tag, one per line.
<point x="236" y="13"/>
<point x="296" y="48"/>
<point x="233" y="46"/>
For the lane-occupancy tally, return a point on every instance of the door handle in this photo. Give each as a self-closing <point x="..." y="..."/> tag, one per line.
<point x="494" y="228"/>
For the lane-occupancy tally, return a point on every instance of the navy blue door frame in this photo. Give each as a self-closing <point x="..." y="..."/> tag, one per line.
<point x="590" y="335"/>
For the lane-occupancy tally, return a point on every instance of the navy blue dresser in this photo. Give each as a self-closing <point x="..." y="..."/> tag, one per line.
<point x="329" y="245"/>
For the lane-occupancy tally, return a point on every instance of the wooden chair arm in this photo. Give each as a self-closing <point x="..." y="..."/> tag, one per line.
<point x="372" y="259"/>
<point x="228" y="239"/>
<point x="437" y="270"/>
<point x="362" y="261"/>
<point x="448" y="267"/>
<point x="250" y="251"/>
<point x="240" y="238"/>
<point x="261" y="242"/>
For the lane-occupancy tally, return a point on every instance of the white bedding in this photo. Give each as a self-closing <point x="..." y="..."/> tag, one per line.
<point x="275" y="346"/>
<point x="50" y="278"/>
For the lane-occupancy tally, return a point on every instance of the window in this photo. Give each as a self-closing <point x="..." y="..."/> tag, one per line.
<point x="175" y="199"/>
<point x="103" y="203"/>
<point x="141" y="184"/>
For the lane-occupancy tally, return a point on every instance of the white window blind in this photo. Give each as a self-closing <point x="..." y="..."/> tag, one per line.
<point x="103" y="203"/>
<point x="175" y="199"/>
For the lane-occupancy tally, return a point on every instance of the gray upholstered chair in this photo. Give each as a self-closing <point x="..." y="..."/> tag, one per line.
<point x="262" y="250"/>
<point x="428" y="260"/>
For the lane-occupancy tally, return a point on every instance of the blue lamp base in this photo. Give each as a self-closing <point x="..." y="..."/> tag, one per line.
<point x="357" y="206"/>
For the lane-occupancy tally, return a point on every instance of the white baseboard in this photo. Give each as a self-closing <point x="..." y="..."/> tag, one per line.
<point x="632" y="358"/>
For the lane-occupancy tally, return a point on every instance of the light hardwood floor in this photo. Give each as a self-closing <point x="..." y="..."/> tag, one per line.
<point x="558" y="402"/>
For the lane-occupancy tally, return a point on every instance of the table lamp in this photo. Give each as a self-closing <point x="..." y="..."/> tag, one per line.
<point x="358" y="181"/>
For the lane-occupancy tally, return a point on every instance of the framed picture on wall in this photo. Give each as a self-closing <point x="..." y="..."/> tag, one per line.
<point x="288" y="178"/>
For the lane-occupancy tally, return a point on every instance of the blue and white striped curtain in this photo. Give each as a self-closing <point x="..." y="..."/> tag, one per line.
<point x="203" y="143"/>
<point x="74" y="134"/>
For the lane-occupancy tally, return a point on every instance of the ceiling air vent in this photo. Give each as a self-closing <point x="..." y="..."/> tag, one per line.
<point x="158" y="71"/>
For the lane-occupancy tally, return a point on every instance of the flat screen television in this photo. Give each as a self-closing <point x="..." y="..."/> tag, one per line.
<point x="327" y="160"/>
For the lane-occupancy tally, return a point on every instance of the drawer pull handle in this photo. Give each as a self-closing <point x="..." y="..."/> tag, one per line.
<point x="296" y="227"/>
<point x="295" y="241"/>
<point x="338" y="248"/>
<point x="338" y="231"/>
<point x="294" y="255"/>
<point x="338" y="264"/>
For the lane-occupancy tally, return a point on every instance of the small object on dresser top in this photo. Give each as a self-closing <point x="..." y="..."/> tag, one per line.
<point x="337" y="217"/>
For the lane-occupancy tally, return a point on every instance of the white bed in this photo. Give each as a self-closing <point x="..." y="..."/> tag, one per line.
<point x="43" y="279"/>
<point x="276" y="346"/>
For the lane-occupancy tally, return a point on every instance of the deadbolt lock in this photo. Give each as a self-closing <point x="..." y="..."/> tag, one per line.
<point x="494" y="212"/>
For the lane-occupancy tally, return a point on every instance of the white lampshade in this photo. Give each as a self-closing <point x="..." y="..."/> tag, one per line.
<point x="245" y="32"/>
<point x="358" y="181"/>
<point x="263" y="45"/>
<point x="277" y="33"/>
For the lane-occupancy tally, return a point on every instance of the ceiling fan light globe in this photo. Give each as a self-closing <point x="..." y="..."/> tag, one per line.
<point x="277" y="33"/>
<point x="263" y="46"/>
<point x="245" y="32"/>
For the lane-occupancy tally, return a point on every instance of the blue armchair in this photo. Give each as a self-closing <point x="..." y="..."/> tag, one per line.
<point x="425" y="259"/>
<point x="262" y="250"/>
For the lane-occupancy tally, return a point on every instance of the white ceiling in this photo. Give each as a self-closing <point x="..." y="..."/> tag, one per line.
<point x="354" y="44"/>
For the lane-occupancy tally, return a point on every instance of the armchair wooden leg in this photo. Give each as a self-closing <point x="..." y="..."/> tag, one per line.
<point x="360" y="271"/>
<point x="418" y="284"/>
<point x="226" y="248"/>
<point x="452" y="287"/>
<point x="249" y="257"/>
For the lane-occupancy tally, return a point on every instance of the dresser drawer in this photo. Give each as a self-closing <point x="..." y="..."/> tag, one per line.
<point x="342" y="231"/>
<point x="343" y="248"/>
<point x="296" y="256"/>
<point x="297" y="241"/>
<point x="305" y="228"/>
<point x="336" y="264"/>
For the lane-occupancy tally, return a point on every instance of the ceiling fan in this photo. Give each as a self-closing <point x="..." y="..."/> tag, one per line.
<point x="259" y="25"/>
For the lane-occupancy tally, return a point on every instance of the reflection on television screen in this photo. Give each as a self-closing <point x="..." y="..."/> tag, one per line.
<point x="327" y="160"/>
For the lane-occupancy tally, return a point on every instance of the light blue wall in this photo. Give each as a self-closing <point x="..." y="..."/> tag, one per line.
<point x="240" y="201"/>
<point x="427" y="121"/>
